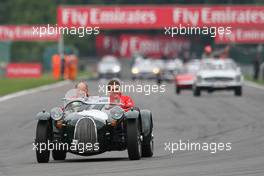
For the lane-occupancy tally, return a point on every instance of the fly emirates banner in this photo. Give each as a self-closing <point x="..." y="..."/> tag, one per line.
<point x="158" y="17"/>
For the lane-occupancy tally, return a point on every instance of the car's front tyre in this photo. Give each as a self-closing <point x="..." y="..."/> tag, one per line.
<point x="58" y="154"/>
<point x="177" y="90"/>
<point x="197" y="92"/>
<point x="42" y="136"/>
<point x="134" y="147"/>
<point x="133" y="78"/>
<point x="148" y="147"/>
<point x="238" y="91"/>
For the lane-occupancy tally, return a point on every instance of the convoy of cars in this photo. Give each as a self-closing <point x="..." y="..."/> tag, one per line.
<point x="198" y="75"/>
<point x="158" y="69"/>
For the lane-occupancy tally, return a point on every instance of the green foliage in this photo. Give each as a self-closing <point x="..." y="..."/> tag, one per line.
<point x="30" y="11"/>
<point x="18" y="84"/>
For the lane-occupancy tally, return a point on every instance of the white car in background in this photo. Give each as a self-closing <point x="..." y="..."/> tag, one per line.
<point x="109" y="67"/>
<point x="145" y="68"/>
<point x="170" y="68"/>
<point x="216" y="74"/>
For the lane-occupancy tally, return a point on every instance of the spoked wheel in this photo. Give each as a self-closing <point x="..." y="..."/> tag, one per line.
<point x="134" y="147"/>
<point x="42" y="136"/>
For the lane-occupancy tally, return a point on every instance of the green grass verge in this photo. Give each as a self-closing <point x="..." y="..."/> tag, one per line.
<point x="8" y="86"/>
<point x="83" y="75"/>
<point x="17" y="84"/>
<point x="249" y="78"/>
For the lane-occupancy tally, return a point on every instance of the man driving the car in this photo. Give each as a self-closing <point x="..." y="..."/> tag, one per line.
<point x="82" y="86"/>
<point x="116" y="96"/>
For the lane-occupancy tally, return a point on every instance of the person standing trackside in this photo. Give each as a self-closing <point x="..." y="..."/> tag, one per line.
<point x="207" y="52"/>
<point x="256" y="66"/>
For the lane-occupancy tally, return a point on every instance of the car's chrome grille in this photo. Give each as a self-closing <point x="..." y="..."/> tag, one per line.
<point x="213" y="79"/>
<point x="85" y="131"/>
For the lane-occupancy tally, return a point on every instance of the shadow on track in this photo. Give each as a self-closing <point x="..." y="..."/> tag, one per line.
<point x="94" y="160"/>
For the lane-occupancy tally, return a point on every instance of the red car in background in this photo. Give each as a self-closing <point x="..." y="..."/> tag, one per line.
<point x="185" y="79"/>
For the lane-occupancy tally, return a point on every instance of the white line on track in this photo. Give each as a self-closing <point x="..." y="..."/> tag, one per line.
<point x="33" y="90"/>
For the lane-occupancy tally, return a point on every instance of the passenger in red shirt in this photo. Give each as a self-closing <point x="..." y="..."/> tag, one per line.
<point x="116" y="96"/>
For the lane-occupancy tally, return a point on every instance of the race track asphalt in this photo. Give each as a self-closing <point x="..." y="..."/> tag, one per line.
<point x="218" y="117"/>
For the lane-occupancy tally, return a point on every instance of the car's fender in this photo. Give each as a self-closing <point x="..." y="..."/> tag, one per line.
<point x="132" y="114"/>
<point x="43" y="115"/>
<point x="146" y="122"/>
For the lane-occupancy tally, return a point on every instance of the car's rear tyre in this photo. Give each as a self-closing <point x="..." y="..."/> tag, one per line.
<point x="210" y="91"/>
<point x="197" y="92"/>
<point x="43" y="132"/>
<point x="238" y="91"/>
<point x="134" y="147"/>
<point x="158" y="80"/>
<point x="58" y="154"/>
<point x="148" y="147"/>
<point x="177" y="90"/>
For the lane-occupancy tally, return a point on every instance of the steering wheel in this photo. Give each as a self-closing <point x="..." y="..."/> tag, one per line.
<point x="74" y="106"/>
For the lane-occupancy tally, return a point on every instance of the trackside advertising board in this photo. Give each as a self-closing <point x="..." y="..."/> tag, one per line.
<point x="126" y="45"/>
<point x="158" y="17"/>
<point x="26" y="33"/>
<point x="240" y="35"/>
<point x="23" y="70"/>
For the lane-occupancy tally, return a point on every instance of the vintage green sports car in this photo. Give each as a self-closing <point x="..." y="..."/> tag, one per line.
<point x="92" y="125"/>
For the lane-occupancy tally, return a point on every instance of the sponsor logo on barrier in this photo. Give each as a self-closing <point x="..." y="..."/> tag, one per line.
<point x="240" y="35"/>
<point x="151" y="45"/>
<point x="157" y="17"/>
<point x="23" y="70"/>
<point x="25" y="33"/>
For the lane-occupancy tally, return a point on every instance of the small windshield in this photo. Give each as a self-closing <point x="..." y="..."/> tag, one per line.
<point x="190" y="68"/>
<point x="75" y="106"/>
<point x="109" y="60"/>
<point x="76" y="101"/>
<point x="74" y="94"/>
<point x="218" y="66"/>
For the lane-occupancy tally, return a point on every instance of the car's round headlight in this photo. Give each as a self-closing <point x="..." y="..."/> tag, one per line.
<point x="116" y="68"/>
<point x="116" y="113"/>
<point x="56" y="113"/>
<point x="135" y="70"/>
<point x="156" y="70"/>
